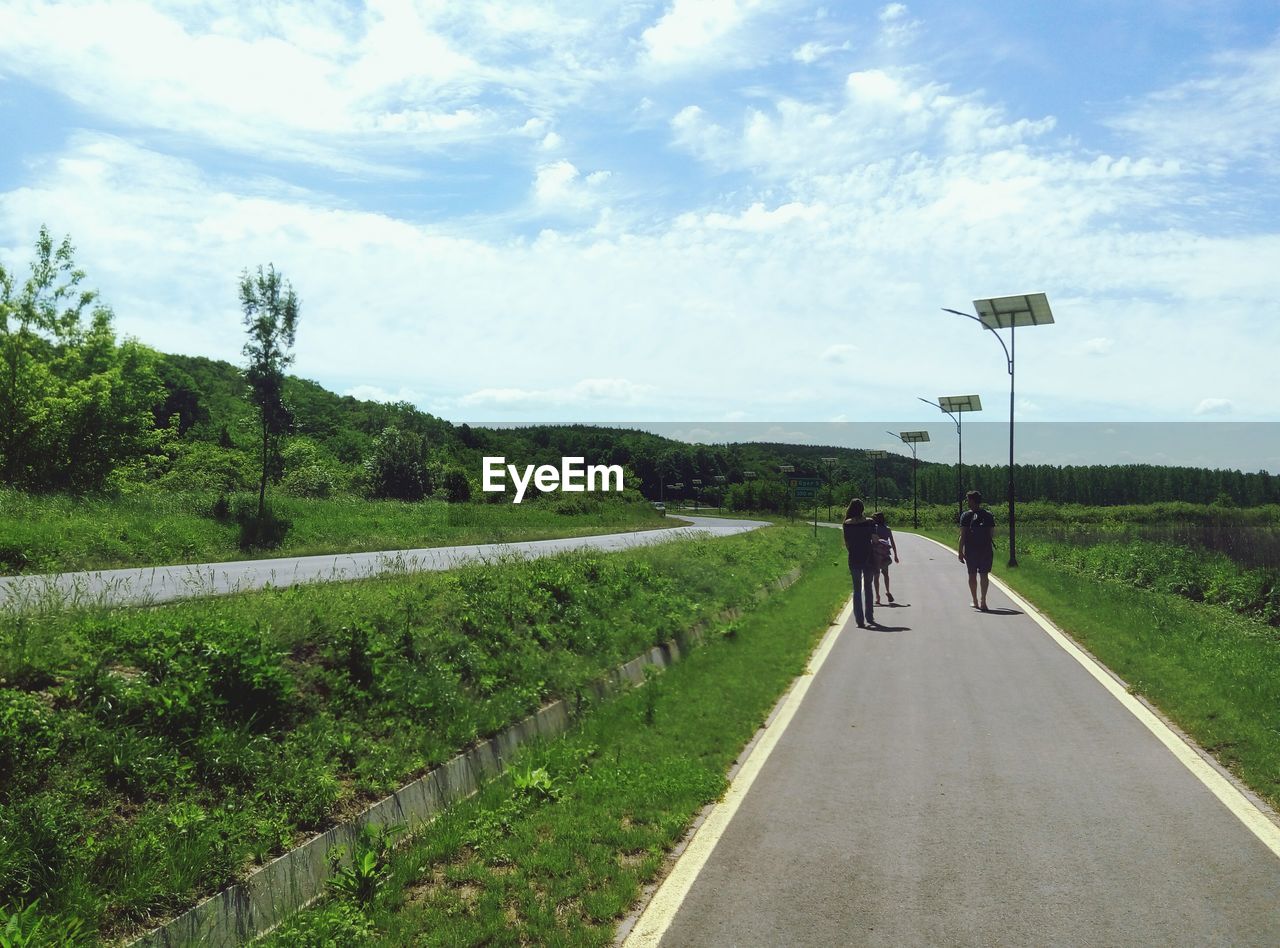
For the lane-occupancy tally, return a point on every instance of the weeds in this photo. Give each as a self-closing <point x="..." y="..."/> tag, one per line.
<point x="23" y="927"/>
<point x="359" y="879"/>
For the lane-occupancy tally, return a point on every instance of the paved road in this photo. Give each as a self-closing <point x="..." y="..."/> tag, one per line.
<point x="956" y="778"/>
<point x="161" y="583"/>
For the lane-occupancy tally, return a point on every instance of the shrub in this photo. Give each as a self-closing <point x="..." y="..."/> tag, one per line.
<point x="221" y="509"/>
<point x="457" y="488"/>
<point x="397" y="468"/>
<point x="310" y="472"/>
<point x="261" y="533"/>
<point x="198" y="465"/>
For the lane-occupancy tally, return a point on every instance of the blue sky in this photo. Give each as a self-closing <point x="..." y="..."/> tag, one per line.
<point x="722" y="210"/>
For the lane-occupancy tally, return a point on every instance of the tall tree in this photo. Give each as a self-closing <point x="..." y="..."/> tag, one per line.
<point x="74" y="406"/>
<point x="271" y="319"/>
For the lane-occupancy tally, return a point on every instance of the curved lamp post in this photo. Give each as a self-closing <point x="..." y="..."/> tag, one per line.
<point x="912" y="438"/>
<point x="955" y="406"/>
<point x="1010" y="312"/>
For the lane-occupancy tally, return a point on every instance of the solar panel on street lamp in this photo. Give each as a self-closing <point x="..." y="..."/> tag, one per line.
<point x="1010" y="312"/>
<point x="913" y="438"/>
<point x="950" y="403"/>
<point x="955" y="406"/>
<point x="1006" y="312"/>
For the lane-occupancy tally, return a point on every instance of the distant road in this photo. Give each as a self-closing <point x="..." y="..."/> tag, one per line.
<point x="955" y="778"/>
<point x="164" y="583"/>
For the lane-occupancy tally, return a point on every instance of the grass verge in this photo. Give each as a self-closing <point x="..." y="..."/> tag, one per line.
<point x="150" y="756"/>
<point x="556" y="853"/>
<point x="56" y="533"/>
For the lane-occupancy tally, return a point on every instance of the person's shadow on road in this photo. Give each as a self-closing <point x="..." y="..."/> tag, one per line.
<point x="878" y="627"/>
<point x="1001" y="611"/>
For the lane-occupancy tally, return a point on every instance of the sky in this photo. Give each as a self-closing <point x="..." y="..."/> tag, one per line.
<point x="713" y="210"/>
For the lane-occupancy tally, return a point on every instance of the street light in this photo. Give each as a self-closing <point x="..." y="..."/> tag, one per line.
<point x="913" y="438"/>
<point x="790" y="469"/>
<point x="829" y="464"/>
<point x="955" y="406"/>
<point x="875" y="477"/>
<point x="697" y="492"/>
<point x="1010" y="312"/>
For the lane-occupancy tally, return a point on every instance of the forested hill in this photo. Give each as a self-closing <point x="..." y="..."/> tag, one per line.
<point x="334" y="436"/>
<point x="207" y="399"/>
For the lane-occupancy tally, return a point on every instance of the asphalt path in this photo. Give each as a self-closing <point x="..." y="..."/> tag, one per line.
<point x="958" y="778"/>
<point x="163" y="583"/>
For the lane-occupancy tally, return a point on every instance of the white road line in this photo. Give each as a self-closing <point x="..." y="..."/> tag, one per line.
<point x="658" y="914"/>
<point x="1244" y="809"/>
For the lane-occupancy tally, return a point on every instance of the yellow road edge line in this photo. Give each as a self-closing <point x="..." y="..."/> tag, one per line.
<point x="666" y="901"/>
<point x="1241" y="807"/>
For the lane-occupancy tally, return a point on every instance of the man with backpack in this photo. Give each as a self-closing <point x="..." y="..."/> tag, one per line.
<point x="977" y="546"/>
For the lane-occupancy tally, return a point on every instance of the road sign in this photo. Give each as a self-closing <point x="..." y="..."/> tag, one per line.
<point x="805" y="487"/>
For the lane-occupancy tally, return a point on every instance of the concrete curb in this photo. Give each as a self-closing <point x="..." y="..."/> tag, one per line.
<point x="290" y="883"/>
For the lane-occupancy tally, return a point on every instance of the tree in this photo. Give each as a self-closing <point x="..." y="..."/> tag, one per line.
<point x="74" y="406"/>
<point x="271" y="319"/>
<point x="180" y="398"/>
<point x="397" y="467"/>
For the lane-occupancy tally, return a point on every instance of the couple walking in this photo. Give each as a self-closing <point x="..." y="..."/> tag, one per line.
<point x="871" y="545"/>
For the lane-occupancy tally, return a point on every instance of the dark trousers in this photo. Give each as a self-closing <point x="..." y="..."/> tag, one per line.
<point x="862" y="577"/>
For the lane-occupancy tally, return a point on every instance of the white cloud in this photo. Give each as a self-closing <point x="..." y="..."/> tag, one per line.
<point x="551" y="141"/>
<point x="840" y="353"/>
<point x="612" y="392"/>
<point x="559" y="187"/>
<point x="897" y="27"/>
<point x="1215" y="406"/>
<point x="1228" y="116"/>
<point x="756" y="218"/>
<point x="320" y="82"/>
<point x="882" y="115"/>
<point x="811" y="52"/>
<point x="375" y="393"/>
<point x="692" y="31"/>
<point x="1098" y="345"/>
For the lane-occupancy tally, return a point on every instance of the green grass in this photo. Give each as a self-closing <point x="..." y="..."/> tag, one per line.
<point x="150" y="756"/>
<point x="56" y="533"/>
<point x="558" y="853"/>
